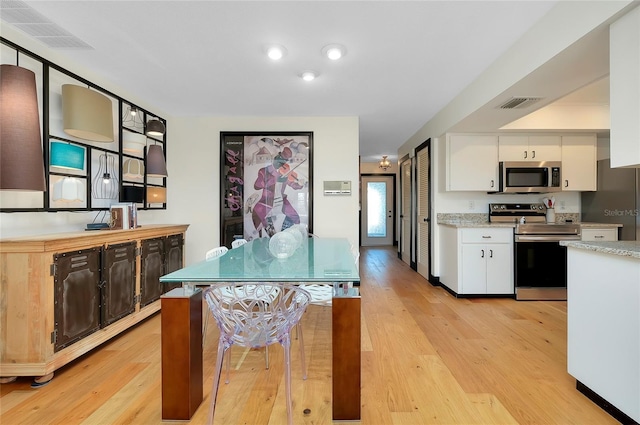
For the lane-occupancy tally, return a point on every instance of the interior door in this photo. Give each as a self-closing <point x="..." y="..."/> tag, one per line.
<point x="405" y="211"/>
<point x="377" y="210"/>
<point x="423" y="212"/>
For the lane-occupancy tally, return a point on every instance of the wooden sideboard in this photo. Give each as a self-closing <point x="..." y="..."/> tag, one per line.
<point x="62" y="295"/>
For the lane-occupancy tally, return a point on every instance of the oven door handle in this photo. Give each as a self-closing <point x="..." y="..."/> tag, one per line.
<point x="546" y="238"/>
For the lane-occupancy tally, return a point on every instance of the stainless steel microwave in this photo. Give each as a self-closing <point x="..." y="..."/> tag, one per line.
<point x="530" y="176"/>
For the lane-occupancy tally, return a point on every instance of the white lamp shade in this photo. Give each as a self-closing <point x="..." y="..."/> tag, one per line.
<point x="156" y="195"/>
<point x="133" y="142"/>
<point x="87" y="114"/>
<point x="132" y="168"/>
<point x="69" y="189"/>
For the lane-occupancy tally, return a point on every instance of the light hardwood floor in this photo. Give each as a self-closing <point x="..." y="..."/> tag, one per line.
<point x="427" y="358"/>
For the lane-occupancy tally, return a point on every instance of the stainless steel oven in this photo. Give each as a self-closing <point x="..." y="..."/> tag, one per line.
<point x="540" y="262"/>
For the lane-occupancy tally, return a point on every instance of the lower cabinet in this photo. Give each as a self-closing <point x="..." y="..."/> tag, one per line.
<point x="65" y="294"/>
<point x="477" y="261"/>
<point x="597" y="234"/>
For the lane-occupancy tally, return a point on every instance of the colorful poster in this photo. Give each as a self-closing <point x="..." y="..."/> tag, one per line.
<point x="266" y="183"/>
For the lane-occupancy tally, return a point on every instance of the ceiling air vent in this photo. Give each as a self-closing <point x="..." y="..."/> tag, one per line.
<point x="519" y="102"/>
<point x="27" y="19"/>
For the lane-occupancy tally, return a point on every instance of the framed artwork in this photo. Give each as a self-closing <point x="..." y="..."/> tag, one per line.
<point x="266" y="183"/>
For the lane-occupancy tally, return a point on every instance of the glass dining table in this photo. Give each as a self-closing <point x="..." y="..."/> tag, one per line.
<point x="316" y="260"/>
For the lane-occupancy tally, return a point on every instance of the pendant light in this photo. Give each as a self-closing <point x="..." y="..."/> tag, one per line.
<point x="156" y="165"/>
<point x="87" y="114"/>
<point x="21" y="159"/>
<point x="68" y="189"/>
<point x="155" y="128"/>
<point x="132" y="169"/>
<point x="132" y="118"/>
<point x="156" y="195"/>
<point x="66" y="155"/>
<point x="133" y="143"/>
<point x="384" y="163"/>
<point x="105" y="183"/>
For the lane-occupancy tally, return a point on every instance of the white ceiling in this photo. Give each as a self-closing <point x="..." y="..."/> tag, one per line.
<point x="405" y="60"/>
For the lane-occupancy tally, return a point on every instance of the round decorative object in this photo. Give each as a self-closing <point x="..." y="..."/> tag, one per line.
<point x="283" y="245"/>
<point x="296" y="233"/>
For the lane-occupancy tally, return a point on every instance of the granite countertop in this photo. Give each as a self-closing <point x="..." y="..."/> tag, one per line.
<point x="622" y="248"/>
<point x="466" y="223"/>
<point x="600" y="225"/>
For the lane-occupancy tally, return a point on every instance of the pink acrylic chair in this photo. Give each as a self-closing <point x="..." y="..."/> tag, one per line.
<point x="255" y="316"/>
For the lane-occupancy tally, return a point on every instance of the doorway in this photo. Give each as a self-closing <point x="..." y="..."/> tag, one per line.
<point x="423" y="209"/>
<point x="377" y="210"/>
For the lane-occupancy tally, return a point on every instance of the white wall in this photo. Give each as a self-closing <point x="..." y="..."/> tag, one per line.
<point x="193" y="185"/>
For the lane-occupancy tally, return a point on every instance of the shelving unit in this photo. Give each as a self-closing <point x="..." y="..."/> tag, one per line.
<point x="49" y="80"/>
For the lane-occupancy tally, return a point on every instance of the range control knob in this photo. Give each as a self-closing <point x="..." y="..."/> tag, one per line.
<point x="503" y="207"/>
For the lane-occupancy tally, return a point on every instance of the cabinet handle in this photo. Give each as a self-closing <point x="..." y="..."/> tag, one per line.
<point x="491" y="253"/>
<point x="482" y="256"/>
<point x="599" y="236"/>
<point x="486" y="237"/>
<point x="566" y="183"/>
<point x="534" y="154"/>
<point x="525" y="154"/>
<point x="492" y="183"/>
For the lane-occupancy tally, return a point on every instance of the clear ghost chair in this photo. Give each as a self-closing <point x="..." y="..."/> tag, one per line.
<point x="237" y="243"/>
<point x="254" y="316"/>
<point x="212" y="254"/>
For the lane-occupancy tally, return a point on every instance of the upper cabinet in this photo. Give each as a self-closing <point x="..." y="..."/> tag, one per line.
<point x="579" y="163"/>
<point x="472" y="162"/>
<point x="529" y="148"/>
<point x="624" y="68"/>
<point x="473" y="159"/>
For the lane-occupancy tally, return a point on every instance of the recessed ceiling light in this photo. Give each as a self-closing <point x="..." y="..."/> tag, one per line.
<point x="334" y="51"/>
<point x="275" y="52"/>
<point x="308" y="75"/>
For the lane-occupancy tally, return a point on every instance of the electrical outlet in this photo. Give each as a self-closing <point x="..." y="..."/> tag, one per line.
<point x="472" y="205"/>
<point x="562" y="205"/>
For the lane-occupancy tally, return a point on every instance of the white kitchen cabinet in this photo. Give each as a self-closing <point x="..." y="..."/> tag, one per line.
<point x="597" y="234"/>
<point x="479" y="261"/>
<point x="529" y="148"/>
<point x="579" y="163"/>
<point x="472" y="162"/>
<point x="624" y="77"/>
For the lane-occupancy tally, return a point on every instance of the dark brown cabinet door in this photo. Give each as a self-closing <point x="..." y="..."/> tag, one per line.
<point x="151" y="268"/>
<point x="77" y="295"/>
<point x="119" y="282"/>
<point x="173" y="249"/>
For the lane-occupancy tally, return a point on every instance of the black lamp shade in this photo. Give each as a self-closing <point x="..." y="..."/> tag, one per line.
<point x="155" y="128"/>
<point x="133" y="194"/>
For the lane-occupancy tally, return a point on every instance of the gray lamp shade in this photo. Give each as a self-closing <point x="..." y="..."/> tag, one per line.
<point x="156" y="166"/>
<point x="155" y="128"/>
<point x="87" y="114"/>
<point x="21" y="160"/>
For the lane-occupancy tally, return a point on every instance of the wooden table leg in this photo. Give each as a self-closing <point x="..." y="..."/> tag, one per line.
<point x="181" y="353"/>
<point x="346" y="357"/>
